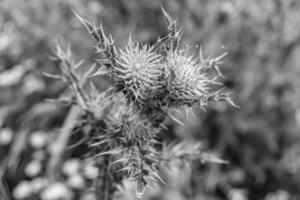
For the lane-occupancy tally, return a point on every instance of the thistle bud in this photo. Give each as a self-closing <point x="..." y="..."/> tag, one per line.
<point x="140" y="70"/>
<point x="186" y="83"/>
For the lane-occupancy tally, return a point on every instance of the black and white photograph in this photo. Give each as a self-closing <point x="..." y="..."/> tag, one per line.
<point x="149" y="100"/>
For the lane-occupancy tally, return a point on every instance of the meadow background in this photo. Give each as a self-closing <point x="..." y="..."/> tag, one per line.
<point x="260" y="139"/>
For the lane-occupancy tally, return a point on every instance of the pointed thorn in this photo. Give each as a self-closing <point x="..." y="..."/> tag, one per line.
<point x="221" y="56"/>
<point x="167" y="16"/>
<point x="85" y="22"/>
<point x="52" y="76"/>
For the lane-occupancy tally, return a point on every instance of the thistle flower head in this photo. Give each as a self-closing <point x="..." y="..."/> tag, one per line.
<point x="140" y="70"/>
<point x="186" y="83"/>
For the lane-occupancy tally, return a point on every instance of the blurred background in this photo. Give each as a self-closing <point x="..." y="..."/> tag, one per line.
<point x="260" y="139"/>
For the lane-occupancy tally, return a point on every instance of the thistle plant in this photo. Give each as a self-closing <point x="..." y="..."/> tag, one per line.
<point x="122" y="124"/>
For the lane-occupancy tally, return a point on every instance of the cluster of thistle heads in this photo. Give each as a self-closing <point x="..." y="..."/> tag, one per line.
<point x="150" y="83"/>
